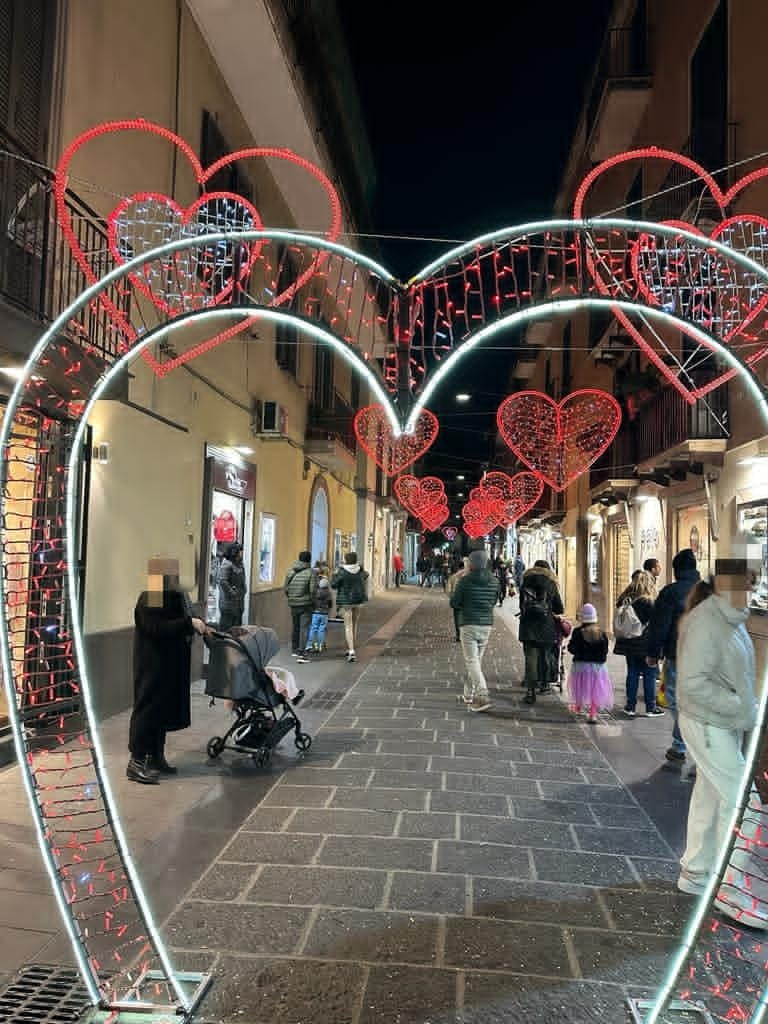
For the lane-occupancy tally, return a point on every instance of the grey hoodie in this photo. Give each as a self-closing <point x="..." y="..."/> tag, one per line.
<point x="716" y="666"/>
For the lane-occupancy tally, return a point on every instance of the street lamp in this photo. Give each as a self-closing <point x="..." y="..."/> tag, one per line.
<point x="463" y="397"/>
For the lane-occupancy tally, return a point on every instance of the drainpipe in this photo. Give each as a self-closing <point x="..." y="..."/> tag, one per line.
<point x="714" y="526"/>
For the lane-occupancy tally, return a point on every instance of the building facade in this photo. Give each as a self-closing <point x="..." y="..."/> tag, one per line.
<point x="681" y="77"/>
<point x="253" y="440"/>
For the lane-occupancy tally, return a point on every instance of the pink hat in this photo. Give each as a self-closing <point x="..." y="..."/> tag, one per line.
<point x="587" y="613"/>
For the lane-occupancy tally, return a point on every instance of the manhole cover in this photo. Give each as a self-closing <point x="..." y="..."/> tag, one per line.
<point x="42" y="994"/>
<point x="677" y="1012"/>
<point x="325" y="699"/>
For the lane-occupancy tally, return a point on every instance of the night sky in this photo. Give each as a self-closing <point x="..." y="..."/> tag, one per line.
<point x="470" y="117"/>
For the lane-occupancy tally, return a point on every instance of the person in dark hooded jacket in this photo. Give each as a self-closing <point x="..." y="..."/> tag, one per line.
<point x="539" y="632"/>
<point x="232" y="588"/>
<point x="299" y="589"/>
<point x="350" y="583"/>
<point x="661" y="641"/>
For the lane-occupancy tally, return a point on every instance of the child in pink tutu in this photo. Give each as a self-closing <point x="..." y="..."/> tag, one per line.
<point x="589" y="683"/>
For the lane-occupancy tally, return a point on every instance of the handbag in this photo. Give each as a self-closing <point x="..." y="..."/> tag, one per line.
<point x="626" y="623"/>
<point x="564" y="625"/>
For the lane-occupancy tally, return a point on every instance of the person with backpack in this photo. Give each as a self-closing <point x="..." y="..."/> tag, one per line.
<point x="319" y="623"/>
<point x="349" y="582"/>
<point x="630" y="622"/>
<point x="299" y="589"/>
<point x="662" y="636"/>
<point x="539" y="632"/>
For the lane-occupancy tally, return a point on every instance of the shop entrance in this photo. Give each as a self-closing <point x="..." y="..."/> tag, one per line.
<point x="622" y="569"/>
<point x="229" y="490"/>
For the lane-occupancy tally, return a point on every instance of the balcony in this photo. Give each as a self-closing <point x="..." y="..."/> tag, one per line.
<point x="673" y="435"/>
<point x="39" y="277"/>
<point x="614" y="471"/>
<point x="330" y="438"/>
<point x="620" y="92"/>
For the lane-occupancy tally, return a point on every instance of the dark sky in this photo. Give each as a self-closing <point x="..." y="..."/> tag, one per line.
<point x="470" y="111"/>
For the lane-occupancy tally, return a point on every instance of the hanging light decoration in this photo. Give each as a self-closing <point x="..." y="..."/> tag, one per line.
<point x="392" y="454"/>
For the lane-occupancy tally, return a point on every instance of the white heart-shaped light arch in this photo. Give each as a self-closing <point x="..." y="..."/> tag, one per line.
<point x="563" y="307"/>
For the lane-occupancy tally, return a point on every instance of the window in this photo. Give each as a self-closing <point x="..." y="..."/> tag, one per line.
<point x="753" y="525"/>
<point x="594" y="558"/>
<point x="267" y="548"/>
<point x="709" y="73"/>
<point x="213" y="146"/>
<point x="319" y="543"/>
<point x="287" y="348"/>
<point x="27" y="31"/>
<point x="322" y="385"/>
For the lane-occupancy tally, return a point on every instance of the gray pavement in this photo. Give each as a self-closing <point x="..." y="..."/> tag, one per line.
<point x="420" y="864"/>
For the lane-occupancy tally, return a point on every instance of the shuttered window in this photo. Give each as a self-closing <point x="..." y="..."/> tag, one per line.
<point x="27" y="32"/>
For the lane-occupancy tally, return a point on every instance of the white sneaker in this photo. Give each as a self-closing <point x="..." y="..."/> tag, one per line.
<point x="301" y="660"/>
<point x="351" y="656"/>
<point x="747" y="918"/>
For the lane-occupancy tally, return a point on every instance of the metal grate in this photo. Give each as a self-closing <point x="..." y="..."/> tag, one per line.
<point x="44" y="994"/>
<point x="324" y="699"/>
<point x="677" y="1012"/>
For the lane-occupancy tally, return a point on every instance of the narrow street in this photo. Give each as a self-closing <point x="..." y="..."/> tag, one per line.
<point x="420" y="864"/>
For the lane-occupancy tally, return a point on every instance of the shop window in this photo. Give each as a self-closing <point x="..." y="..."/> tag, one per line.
<point x="693" y="532"/>
<point x="594" y="559"/>
<point x="319" y="534"/>
<point x="753" y="526"/>
<point x="267" y="533"/>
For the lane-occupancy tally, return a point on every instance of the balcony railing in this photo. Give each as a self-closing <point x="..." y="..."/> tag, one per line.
<point x="332" y="424"/>
<point x="38" y="274"/>
<point x="624" y="56"/>
<point x="664" y="422"/>
<point x="667" y="421"/>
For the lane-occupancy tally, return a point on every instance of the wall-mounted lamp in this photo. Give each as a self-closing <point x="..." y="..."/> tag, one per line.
<point x="100" y="452"/>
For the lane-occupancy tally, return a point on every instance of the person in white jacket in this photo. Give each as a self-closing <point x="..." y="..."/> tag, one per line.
<point x="717" y="706"/>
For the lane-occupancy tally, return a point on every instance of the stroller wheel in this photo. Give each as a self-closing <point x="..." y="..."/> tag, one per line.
<point x="215" y="746"/>
<point x="303" y="741"/>
<point x="261" y="757"/>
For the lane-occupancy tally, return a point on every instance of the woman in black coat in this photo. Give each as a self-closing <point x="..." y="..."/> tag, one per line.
<point x="640" y="594"/>
<point x="165" y="627"/>
<point x="539" y="631"/>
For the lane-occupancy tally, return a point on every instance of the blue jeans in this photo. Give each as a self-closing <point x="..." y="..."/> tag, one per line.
<point x="317" y="628"/>
<point x="637" y="667"/>
<point x="670" y="692"/>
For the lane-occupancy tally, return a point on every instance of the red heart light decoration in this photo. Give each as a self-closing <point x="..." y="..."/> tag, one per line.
<point x="146" y="220"/>
<point x="519" y="494"/>
<point x="449" y="532"/>
<point x="419" y="495"/>
<point x="478" y="519"/>
<point x="392" y="454"/>
<point x="559" y="440"/>
<point x="433" y="518"/>
<point x="202" y="176"/>
<point x="739" y="314"/>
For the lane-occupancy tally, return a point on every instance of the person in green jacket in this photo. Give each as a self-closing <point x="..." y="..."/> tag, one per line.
<point x="474" y="599"/>
<point x="299" y="589"/>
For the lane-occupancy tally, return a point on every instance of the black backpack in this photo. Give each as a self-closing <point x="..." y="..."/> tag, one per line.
<point x="534" y="601"/>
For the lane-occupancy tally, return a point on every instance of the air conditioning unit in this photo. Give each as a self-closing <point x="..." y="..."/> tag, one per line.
<point x="269" y="419"/>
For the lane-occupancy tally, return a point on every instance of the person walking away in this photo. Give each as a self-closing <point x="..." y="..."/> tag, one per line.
<point x="322" y="608"/>
<point x="716" y="706"/>
<point x="422" y="568"/>
<point x="662" y="636"/>
<point x="349" y="582"/>
<point x="539" y="632"/>
<point x="502" y="575"/>
<point x="299" y="589"/>
<point x="165" y="627"/>
<point x="454" y="579"/>
<point x="232" y="588"/>
<point x="398" y="568"/>
<point x="633" y="642"/>
<point x="474" y="598"/>
<point x="589" y="684"/>
<point x="518" y="569"/>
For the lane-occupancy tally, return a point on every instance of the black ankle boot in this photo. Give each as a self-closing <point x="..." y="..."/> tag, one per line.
<point x="140" y="770"/>
<point x="159" y="764"/>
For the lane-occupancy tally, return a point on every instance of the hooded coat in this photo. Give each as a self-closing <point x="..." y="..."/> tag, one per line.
<point x="474" y="598"/>
<point x="716" y="666"/>
<point x="232" y="587"/>
<point x="162" y="663"/>
<point x="661" y="641"/>
<point x="540" y="602"/>
<point x="349" y="583"/>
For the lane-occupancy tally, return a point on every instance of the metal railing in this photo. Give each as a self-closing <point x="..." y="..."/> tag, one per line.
<point x="625" y="55"/>
<point x="667" y="420"/>
<point x="38" y="273"/>
<point x="332" y="424"/>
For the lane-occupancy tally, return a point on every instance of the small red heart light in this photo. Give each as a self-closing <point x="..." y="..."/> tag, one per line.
<point x="449" y="532"/>
<point x="559" y="440"/>
<point x="392" y="454"/>
<point x="419" y="495"/>
<point x="519" y="494"/>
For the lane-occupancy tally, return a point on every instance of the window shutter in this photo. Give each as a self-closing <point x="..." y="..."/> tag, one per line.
<point x="6" y="37"/>
<point x="29" y="111"/>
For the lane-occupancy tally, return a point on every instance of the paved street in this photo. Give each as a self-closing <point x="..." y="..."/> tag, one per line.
<point x="420" y="864"/>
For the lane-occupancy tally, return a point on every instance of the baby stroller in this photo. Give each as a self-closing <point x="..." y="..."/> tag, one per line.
<point x="263" y="716"/>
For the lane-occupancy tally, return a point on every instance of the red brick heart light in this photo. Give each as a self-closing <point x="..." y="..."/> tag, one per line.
<point x="559" y="440"/>
<point x="392" y="454"/>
